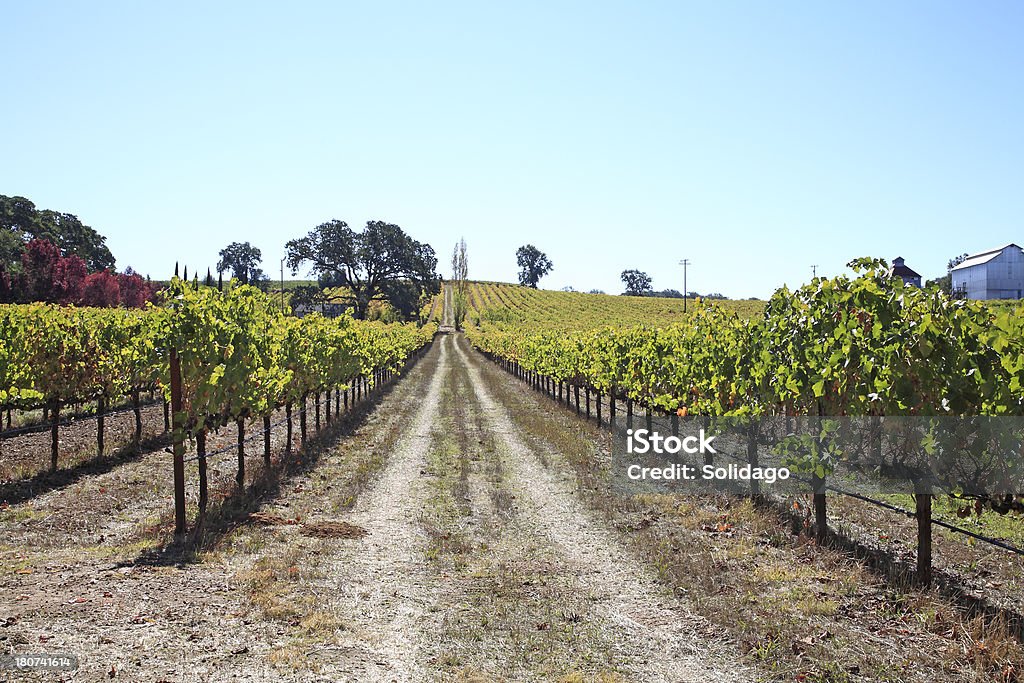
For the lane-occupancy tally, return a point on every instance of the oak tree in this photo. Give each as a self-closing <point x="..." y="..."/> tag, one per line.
<point x="382" y="261"/>
<point x="533" y="265"/>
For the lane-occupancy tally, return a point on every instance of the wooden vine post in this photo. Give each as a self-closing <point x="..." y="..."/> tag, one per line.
<point x="818" y="484"/>
<point x="178" y="449"/>
<point x="288" y="419"/>
<point x="923" y="514"/>
<point x="137" y="412"/>
<point x="54" y="434"/>
<point x="755" y="484"/>
<point x="203" y="476"/>
<point x="100" y="409"/>
<point x="820" y="509"/>
<point x="709" y="457"/>
<point x="240" y="477"/>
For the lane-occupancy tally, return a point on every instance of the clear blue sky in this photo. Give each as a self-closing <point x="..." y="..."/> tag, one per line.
<point x="755" y="139"/>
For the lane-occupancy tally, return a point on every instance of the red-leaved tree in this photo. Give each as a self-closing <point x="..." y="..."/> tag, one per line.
<point x="48" y="276"/>
<point x="101" y="290"/>
<point x="38" y="262"/>
<point x="135" y="291"/>
<point x="69" y="275"/>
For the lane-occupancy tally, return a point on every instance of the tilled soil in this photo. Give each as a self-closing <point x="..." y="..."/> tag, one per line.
<point x="27" y="454"/>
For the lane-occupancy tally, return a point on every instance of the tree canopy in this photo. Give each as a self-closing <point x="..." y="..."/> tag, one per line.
<point x="45" y="275"/>
<point x="945" y="283"/>
<point x="382" y="261"/>
<point x="243" y="260"/>
<point x="533" y="265"/>
<point x="638" y="283"/>
<point x="21" y="222"/>
<point x="460" y="273"/>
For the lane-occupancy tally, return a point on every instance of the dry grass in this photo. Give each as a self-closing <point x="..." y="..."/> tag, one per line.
<point x="271" y="582"/>
<point x="294" y="658"/>
<point x="277" y="588"/>
<point x="577" y="677"/>
<point x="448" y="504"/>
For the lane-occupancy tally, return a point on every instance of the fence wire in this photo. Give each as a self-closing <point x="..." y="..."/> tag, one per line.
<point x="47" y="426"/>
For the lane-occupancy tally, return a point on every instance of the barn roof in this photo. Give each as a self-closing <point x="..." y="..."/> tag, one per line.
<point x="983" y="257"/>
<point x="901" y="269"/>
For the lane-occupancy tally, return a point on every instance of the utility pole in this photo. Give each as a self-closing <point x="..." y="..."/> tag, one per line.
<point x="283" y="285"/>
<point x="686" y="295"/>
<point x="814" y="270"/>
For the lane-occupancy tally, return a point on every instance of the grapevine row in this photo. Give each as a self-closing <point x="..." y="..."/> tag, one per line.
<point x="844" y="346"/>
<point x="860" y="346"/>
<point x="239" y="356"/>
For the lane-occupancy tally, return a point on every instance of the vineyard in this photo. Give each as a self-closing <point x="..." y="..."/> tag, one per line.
<point x="452" y="513"/>
<point x="857" y="350"/>
<point x="215" y="357"/>
<point x="862" y="346"/>
<point x="496" y="302"/>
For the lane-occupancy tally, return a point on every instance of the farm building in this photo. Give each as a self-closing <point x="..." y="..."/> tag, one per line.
<point x="994" y="274"/>
<point x="328" y="310"/>
<point x="902" y="270"/>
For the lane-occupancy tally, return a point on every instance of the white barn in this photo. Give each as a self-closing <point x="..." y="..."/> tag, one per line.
<point x="993" y="274"/>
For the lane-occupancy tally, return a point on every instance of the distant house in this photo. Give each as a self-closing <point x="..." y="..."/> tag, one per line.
<point x="328" y="310"/>
<point x="994" y="274"/>
<point x="901" y="270"/>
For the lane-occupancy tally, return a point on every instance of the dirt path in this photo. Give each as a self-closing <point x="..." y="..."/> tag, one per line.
<point x="382" y="589"/>
<point x="448" y="316"/>
<point x="656" y="637"/>
<point x="429" y="544"/>
<point x="478" y="564"/>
